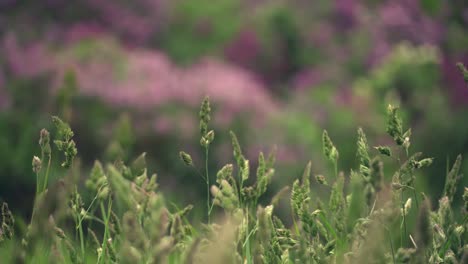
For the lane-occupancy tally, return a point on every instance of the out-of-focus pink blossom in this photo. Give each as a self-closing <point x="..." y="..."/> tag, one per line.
<point x="82" y="31"/>
<point x="136" y="20"/>
<point x="144" y="79"/>
<point x="28" y="61"/>
<point x="233" y="87"/>
<point x="394" y="14"/>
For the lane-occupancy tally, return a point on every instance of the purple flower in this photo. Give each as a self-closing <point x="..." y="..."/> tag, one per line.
<point x="345" y="13"/>
<point x="307" y="79"/>
<point x="397" y="21"/>
<point x="244" y="49"/>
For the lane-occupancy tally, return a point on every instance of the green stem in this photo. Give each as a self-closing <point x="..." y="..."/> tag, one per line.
<point x="239" y="192"/>
<point x="46" y="178"/>
<point x="336" y="169"/>
<point x="80" y="228"/>
<point x="391" y="244"/>
<point x="37" y="186"/>
<point x="81" y="218"/>
<point x="404" y="220"/>
<point x="416" y="198"/>
<point x="211" y="208"/>
<point x="248" y="253"/>
<point x="106" y="217"/>
<point x="207" y="177"/>
<point x="296" y="227"/>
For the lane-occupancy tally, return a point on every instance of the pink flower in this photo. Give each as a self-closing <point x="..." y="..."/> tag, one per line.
<point x="82" y="31"/>
<point x="29" y="61"/>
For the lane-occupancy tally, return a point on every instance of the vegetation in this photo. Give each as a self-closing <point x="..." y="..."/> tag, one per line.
<point x="366" y="218"/>
<point x="296" y="156"/>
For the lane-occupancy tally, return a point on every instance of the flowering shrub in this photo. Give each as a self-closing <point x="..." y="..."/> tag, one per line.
<point x="140" y="78"/>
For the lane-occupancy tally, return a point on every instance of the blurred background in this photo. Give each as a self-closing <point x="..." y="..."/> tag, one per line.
<point x="129" y="77"/>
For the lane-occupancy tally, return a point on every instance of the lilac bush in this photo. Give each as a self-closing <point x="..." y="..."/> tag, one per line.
<point x="140" y="78"/>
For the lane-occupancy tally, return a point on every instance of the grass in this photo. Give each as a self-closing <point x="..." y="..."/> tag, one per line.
<point x="366" y="220"/>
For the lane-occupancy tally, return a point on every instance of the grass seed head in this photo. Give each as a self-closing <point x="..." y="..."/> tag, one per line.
<point x="186" y="158"/>
<point x="394" y="125"/>
<point x="424" y="162"/>
<point x="236" y="149"/>
<point x="36" y="164"/>
<point x="65" y="143"/>
<point x="245" y="170"/>
<point x="261" y="169"/>
<point x="445" y="214"/>
<point x="210" y="136"/>
<point x="205" y="111"/>
<point x="138" y="165"/>
<point x="206" y="140"/>
<point x="224" y="173"/>
<point x="321" y="179"/>
<point x="384" y="150"/>
<point x="264" y="223"/>
<point x="363" y="148"/>
<point x="329" y="150"/>
<point x="407" y="207"/>
<point x="263" y="182"/>
<point x="7" y="224"/>
<point x="64" y="131"/>
<point x="44" y="141"/>
<point x="453" y="177"/>
<point x="225" y="196"/>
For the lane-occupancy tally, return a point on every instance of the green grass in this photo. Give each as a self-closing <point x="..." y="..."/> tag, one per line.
<point x="365" y="220"/>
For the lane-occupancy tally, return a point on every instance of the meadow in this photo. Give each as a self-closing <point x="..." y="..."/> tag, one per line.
<point x="238" y="131"/>
<point x="365" y="219"/>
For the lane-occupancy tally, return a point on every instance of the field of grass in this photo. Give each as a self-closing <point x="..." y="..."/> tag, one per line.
<point x="237" y="131"/>
<point x="362" y="219"/>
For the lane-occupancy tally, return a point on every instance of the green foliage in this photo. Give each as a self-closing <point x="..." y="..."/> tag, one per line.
<point x="123" y="139"/>
<point x="431" y="6"/>
<point x="200" y="27"/>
